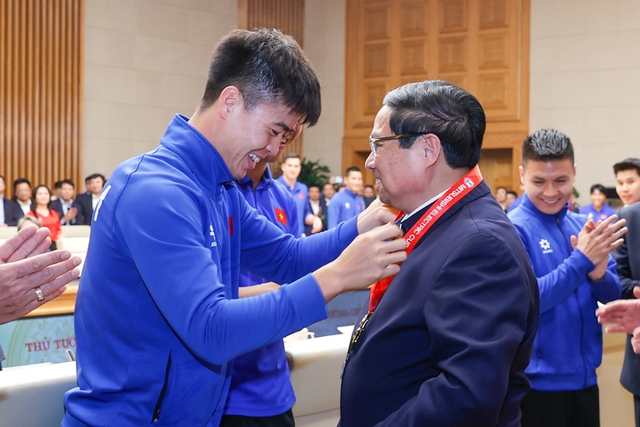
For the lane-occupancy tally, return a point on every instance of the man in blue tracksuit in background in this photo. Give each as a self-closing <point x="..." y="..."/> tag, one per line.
<point x="261" y="393"/>
<point x="158" y="319"/>
<point x="570" y="256"/>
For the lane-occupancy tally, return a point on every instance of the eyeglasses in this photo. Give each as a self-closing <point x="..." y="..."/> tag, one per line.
<point x="374" y="143"/>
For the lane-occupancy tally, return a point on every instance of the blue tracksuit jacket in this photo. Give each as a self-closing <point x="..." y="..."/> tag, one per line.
<point x="568" y="347"/>
<point x="154" y="323"/>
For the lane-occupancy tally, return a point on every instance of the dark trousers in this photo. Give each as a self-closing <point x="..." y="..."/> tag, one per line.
<point x="282" y="420"/>
<point x="562" y="408"/>
<point x="636" y="404"/>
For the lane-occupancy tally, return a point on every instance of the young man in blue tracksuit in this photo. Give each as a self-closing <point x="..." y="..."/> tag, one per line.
<point x="570" y="256"/>
<point x="261" y="393"/>
<point x="157" y="319"/>
<point x="347" y="203"/>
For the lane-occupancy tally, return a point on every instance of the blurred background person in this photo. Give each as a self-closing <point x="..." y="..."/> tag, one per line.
<point x="328" y="190"/>
<point x="318" y="207"/>
<point x="64" y="203"/>
<point x="368" y="195"/>
<point x="10" y="212"/>
<point x="348" y="202"/>
<point x="87" y="202"/>
<point x="628" y="180"/>
<point x="41" y="209"/>
<point x="22" y="194"/>
<point x="598" y="209"/>
<point x="501" y="197"/>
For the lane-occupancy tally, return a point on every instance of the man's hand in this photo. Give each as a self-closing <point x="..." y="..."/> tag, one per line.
<point x="70" y="215"/>
<point x="624" y="315"/>
<point x="596" y="241"/>
<point x="376" y="214"/>
<point x="24" y="266"/>
<point x="370" y="257"/>
<point x="317" y="225"/>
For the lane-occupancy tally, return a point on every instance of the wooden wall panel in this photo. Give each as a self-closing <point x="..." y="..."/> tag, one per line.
<point x="41" y="83"/>
<point x="284" y="15"/>
<point x="480" y="45"/>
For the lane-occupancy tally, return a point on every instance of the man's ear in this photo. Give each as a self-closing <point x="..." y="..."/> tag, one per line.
<point x="431" y="146"/>
<point x="229" y="98"/>
<point x="521" y="170"/>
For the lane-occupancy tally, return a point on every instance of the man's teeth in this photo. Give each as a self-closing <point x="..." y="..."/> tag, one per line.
<point x="254" y="158"/>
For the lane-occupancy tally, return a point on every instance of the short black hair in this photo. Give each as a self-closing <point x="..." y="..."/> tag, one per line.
<point x="545" y="145"/>
<point x="441" y="108"/>
<point x="70" y="182"/>
<point x="627" y="164"/>
<point x="57" y="185"/>
<point x="94" y="176"/>
<point x="352" y="169"/>
<point x="290" y="155"/>
<point x="598" y="187"/>
<point x="267" y="66"/>
<point x="513" y="193"/>
<point x="20" y="181"/>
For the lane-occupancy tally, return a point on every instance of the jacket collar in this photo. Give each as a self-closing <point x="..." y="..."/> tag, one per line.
<point x="532" y="210"/>
<point x="197" y="153"/>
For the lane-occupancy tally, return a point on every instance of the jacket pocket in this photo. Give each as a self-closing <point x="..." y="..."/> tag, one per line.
<point x="189" y="395"/>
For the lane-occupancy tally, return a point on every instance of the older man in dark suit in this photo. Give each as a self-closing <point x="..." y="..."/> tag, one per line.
<point x="628" y="258"/>
<point x="447" y="340"/>
<point x="11" y="212"/>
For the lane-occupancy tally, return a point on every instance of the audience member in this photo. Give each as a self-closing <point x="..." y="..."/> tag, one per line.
<point x="261" y="392"/>
<point x="22" y="194"/>
<point x="86" y="202"/>
<point x="501" y="197"/>
<point x="64" y="203"/>
<point x="448" y="341"/>
<point x="347" y="203"/>
<point x="574" y="273"/>
<point x="516" y="202"/>
<point x="598" y="209"/>
<point x="318" y="207"/>
<point x="10" y="212"/>
<point x="48" y="217"/>
<point x="30" y="278"/>
<point x="628" y="180"/>
<point x="328" y="190"/>
<point x="368" y="195"/>
<point x="628" y="258"/>
<point x="154" y="321"/>
<point x="291" y="168"/>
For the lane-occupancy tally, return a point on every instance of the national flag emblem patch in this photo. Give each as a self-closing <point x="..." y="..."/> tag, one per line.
<point x="281" y="216"/>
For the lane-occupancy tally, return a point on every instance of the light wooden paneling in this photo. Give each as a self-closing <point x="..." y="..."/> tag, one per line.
<point x="284" y="15"/>
<point x="480" y="45"/>
<point x="41" y="43"/>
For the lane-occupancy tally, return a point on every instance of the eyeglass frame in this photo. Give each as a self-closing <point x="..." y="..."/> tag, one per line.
<point x="373" y="140"/>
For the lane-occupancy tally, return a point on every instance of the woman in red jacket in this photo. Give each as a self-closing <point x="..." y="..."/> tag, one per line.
<point x="48" y="217"/>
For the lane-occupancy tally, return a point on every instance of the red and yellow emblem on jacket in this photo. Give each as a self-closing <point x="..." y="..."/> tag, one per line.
<point x="281" y="216"/>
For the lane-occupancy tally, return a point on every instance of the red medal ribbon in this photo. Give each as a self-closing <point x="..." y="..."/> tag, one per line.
<point x="413" y="236"/>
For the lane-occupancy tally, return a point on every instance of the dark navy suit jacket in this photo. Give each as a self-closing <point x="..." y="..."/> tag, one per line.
<point x="628" y="258"/>
<point x="12" y="212"/>
<point x="85" y="208"/>
<point x="452" y="336"/>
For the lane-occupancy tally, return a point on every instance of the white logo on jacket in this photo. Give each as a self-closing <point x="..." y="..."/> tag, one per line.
<point x="213" y="236"/>
<point x="546" y="246"/>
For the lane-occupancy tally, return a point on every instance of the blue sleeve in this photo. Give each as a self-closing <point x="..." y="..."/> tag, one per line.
<point x="281" y="257"/>
<point x="184" y="279"/>
<point x="474" y="349"/>
<point x="609" y="288"/>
